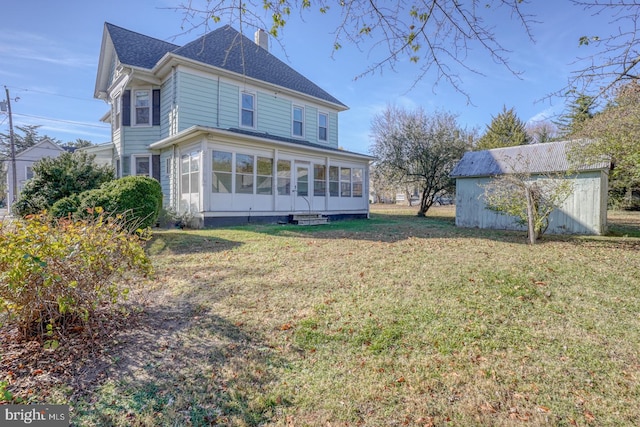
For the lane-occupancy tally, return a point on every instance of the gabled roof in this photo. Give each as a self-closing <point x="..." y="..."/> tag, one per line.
<point x="224" y="48"/>
<point x="35" y="152"/>
<point x="533" y="158"/>
<point x="136" y="49"/>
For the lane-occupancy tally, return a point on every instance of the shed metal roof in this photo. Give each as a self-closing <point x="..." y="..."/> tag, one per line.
<point x="224" y="48"/>
<point x="547" y="157"/>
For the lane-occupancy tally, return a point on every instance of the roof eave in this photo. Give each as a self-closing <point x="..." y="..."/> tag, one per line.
<point x="194" y="131"/>
<point x="170" y="60"/>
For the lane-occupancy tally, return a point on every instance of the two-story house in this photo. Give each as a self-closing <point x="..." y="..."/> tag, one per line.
<point x="232" y="133"/>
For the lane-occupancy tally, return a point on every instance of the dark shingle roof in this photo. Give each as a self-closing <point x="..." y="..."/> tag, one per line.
<point x="224" y="48"/>
<point x="137" y="49"/>
<point x="534" y="158"/>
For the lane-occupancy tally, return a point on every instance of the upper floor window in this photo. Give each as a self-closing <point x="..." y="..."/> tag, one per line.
<point x="323" y="125"/>
<point x="29" y="173"/>
<point x="247" y="115"/>
<point x="298" y="121"/>
<point x="142" y="104"/>
<point x="117" y="111"/>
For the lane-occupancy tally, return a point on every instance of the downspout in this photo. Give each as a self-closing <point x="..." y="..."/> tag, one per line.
<point x="174" y="178"/>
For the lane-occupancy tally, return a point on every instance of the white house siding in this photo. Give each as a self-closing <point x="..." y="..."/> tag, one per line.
<point x="197" y="100"/>
<point x="576" y="215"/>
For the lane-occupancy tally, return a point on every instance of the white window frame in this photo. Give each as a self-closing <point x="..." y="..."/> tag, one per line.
<point x="254" y="110"/>
<point x="326" y="139"/>
<point x="117" y="112"/>
<point x="26" y="172"/>
<point x="134" y="107"/>
<point x="134" y="168"/>
<point x="295" y="107"/>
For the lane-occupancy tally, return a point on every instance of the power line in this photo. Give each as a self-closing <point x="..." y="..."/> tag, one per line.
<point x="52" y="94"/>
<point x="63" y="121"/>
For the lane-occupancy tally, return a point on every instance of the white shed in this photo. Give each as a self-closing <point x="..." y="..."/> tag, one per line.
<point x="24" y="165"/>
<point x="584" y="211"/>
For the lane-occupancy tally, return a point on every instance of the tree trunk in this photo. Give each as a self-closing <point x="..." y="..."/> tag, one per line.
<point x="530" y="219"/>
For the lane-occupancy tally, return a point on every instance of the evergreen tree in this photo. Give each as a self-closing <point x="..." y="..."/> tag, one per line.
<point x="506" y="130"/>
<point x="579" y="111"/>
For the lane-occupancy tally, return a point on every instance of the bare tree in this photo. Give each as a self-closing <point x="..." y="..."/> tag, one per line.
<point x="418" y="150"/>
<point x="530" y="200"/>
<point x="436" y="35"/>
<point x="613" y="59"/>
<point x="541" y="131"/>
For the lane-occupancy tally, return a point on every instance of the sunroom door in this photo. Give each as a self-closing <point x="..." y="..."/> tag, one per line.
<point x="303" y="188"/>
<point x="190" y="182"/>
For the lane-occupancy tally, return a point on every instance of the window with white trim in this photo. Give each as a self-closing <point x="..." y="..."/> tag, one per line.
<point x="142" y="107"/>
<point x="190" y="182"/>
<point x="323" y="126"/>
<point x="244" y="174"/>
<point x="284" y="177"/>
<point x="357" y="182"/>
<point x="319" y="180"/>
<point x="345" y="182"/>
<point x="29" y="173"/>
<point x="117" y="112"/>
<point x="247" y="113"/>
<point x="142" y="165"/>
<point x="334" y="181"/>
<point x="298" y="121"/>
<point x="222" y="172"/>
<point x="264" y="175"/>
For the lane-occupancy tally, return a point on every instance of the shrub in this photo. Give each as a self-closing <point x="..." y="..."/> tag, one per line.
<point x="139" y="198"/>
<point x="60" y="177"/>
<point x="54" y="274"/>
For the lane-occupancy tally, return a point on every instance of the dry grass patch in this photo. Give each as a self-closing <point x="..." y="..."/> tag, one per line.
<point x="397" y="320"/>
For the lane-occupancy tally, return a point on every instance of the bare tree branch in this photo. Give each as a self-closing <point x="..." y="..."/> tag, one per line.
<point x="436" y="35"/>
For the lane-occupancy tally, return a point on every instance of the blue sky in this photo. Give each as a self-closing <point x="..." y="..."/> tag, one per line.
<point x="49" y="53"/>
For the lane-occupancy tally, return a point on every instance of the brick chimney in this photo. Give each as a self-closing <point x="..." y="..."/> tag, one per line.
<point x="262" y="39"/>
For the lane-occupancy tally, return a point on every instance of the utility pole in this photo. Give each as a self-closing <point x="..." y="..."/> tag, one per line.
<point x="14" y="183"/>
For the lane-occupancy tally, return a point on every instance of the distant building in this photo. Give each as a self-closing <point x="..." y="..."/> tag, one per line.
<point x="24" y="165"/>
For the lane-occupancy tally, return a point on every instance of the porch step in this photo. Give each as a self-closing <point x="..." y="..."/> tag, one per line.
<point x="309" y="219"/>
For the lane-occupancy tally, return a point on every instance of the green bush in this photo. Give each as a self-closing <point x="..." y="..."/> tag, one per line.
<point x="56" y="274"/>
<point x="138" y="198"/>
<point x="60" y="177"/>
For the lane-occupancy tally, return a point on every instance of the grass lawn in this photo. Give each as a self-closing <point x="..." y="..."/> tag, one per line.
<point x="396" y="320"/>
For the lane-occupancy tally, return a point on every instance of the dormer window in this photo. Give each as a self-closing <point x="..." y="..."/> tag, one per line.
<point x="142" y="107"/>
<point x="247" y="113"/>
